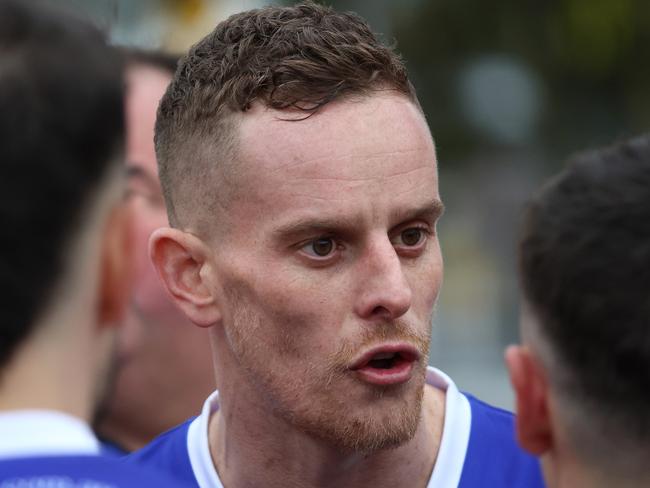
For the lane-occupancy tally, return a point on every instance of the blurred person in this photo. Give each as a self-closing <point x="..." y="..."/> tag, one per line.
<point x="582" y="375"/>
<point x="64" y="252"/>
<point x="301" y="184"/>
<point x="165" y="363"/>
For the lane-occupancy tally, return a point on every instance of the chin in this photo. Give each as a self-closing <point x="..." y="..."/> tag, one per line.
<point x="387" y="421"/>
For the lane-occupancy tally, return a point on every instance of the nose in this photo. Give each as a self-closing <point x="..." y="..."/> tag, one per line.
<point x="385" y="293"/>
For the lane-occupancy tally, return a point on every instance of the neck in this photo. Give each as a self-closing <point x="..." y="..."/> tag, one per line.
<point x="44" y="375"/>
<point x="252" y="447"/>
<point x="566" y="471"/>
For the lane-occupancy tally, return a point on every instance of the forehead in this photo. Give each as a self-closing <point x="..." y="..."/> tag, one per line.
<point x="362" y="160"/>
<point x="145" y="87"/>
<point x="339" y="138"/>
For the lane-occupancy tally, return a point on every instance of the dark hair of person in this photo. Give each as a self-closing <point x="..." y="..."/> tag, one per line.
<point x="61" y="124"/>
<point x="585" y="271"/>
<point x="288" y="58"/>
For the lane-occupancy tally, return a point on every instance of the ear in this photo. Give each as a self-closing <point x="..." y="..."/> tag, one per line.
<point x="115" y="267"/>
<point x="528" y="378"/>
<point x="181" y="260"/>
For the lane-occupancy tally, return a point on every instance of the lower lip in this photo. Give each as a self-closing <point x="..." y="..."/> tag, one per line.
<point x="399" y="373"/>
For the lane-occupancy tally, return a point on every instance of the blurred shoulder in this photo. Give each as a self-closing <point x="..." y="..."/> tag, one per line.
<point x="80" y="470"/>
<point x="493" y="456"/>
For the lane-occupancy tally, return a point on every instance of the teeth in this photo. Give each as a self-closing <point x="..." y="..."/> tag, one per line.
<point x="384" y="355"/>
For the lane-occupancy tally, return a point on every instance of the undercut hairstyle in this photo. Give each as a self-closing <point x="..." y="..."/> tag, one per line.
<point x="585" y="273"/>
<point x="296" y="59"/>
<point x="61" y="124"/>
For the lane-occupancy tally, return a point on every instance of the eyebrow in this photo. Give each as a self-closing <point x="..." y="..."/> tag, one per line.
<point x="133" y="170"/>
<point x="429" y="212"/>
<point x="312" y="226"/>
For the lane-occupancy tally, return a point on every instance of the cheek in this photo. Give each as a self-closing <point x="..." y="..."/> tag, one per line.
<point x="427" y="282"/>
<point x="148" y="290"/>
<point x="146" y="219"/>
<point x="285" y="315"/>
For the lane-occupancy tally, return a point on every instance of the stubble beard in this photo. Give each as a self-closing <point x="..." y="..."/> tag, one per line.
<point x="381" y="417"/>
<point x="384" y="425"/>
<point x="316" y="402"/>
<point x="105" y="387"/>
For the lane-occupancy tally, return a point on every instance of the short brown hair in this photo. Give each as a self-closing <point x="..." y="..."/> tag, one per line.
<point x="295" y="58"/>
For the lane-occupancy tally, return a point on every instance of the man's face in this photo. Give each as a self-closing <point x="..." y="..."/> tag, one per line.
<point x="328" y="267"/>
<point x="146" y="86"/>
<point x="165" y="363"/>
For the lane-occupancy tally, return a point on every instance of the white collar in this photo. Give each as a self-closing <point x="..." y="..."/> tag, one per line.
<point x="451" y="454"/>
<point x="29" y="433"/>
<point x="455" y="432"/>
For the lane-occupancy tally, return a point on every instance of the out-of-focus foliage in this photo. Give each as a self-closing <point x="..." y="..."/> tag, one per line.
<point x="590" y="60"/>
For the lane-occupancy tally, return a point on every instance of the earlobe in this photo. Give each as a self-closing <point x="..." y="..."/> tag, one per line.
<point x="534" y="429"/>
<point x="181" y="259"/>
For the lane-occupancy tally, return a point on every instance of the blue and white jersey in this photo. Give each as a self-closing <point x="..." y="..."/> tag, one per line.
<point x="477" y="448"/>
<point x="46" y="449"/>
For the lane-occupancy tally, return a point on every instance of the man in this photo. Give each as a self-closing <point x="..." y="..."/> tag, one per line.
<point x="301" y="185"/>
<point x="582" y="375"/>
<point x="63" y="253"/>
<point x="165" y="364"/>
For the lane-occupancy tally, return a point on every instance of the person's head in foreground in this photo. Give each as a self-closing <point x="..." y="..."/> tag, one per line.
<point x="582" y="375"/>
<point x="164" y="362"/>
<point x="64" y="258"/>
<point x="64" y="230"/>
<point x="301" y="183"/>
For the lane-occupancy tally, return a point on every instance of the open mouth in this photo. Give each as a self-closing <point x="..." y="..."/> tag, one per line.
<point x="387" y="360"/>
<point x="386" y="365"/>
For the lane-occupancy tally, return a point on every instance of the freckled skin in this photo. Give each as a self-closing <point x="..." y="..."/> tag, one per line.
<point x="358" y="172"/>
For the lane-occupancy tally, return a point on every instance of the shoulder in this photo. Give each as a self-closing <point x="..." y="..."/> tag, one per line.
<point x="73" y="471"/>
<point x="493" y="420"/>
<point x="168" y="454"/>
<point x="111" y="449"/>
<point x="493" y="457"/>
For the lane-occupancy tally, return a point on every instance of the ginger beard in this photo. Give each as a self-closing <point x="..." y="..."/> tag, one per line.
<point x="321" y="397"/>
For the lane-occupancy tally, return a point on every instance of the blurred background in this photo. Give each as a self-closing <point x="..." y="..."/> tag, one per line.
<point x="510" y="89"/>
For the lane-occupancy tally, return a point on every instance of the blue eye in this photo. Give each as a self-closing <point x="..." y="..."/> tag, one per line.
<point x="321" y="247"/>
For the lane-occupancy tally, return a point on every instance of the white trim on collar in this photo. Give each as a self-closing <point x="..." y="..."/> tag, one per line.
<point x="449" y="463"/>
<point x="455" y="432"/>
<point x="28" y="433"/>
<point x="198" y="446"/>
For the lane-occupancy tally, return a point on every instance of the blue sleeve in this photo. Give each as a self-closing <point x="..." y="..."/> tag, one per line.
<point x="493" y="457"/>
